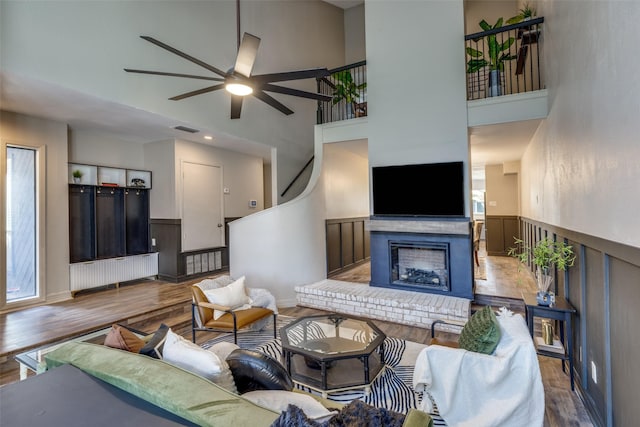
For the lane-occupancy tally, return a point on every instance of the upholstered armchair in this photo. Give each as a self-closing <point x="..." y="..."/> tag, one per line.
<point x="220" y="308"/>
<point x="502" y="388"/>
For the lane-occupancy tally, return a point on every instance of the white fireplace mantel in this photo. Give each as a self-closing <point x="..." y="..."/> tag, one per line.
<point x="419" y="226"/>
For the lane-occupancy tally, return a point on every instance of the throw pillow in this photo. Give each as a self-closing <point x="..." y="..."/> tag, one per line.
<point x="254" y="370"/>
<point x="123" y="339"/>
<point x="223" y="349"/>
<point x="153" y="347"/>
<point x="232" y="295"/>
<point x="481" y="333"/>
<point x="191" y="357"/>
<point x="278" y="400"/>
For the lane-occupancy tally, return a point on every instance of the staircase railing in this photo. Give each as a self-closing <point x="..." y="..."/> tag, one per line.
<point x="348" y="87"/>
<point x="293" y="181"/>
<point x="504" y="60"/>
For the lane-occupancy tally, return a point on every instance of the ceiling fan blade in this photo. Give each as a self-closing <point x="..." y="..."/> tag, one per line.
<point x="162" y="73"/>
<point x="185" y="56"/>
<point x="247" y="54"/>
<point x="295" y="92"/>
<point x="291" y="75"/>
<point x="236" y="106"/>
<point x="272" y="102"/>
<point x="197" y="92"/>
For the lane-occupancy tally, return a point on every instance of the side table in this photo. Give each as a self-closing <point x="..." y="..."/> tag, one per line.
<point x="561" y="310"/>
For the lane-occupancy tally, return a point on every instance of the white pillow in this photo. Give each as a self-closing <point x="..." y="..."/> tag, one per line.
<point x="232" y="295"/>
<point x="223" y="349"/>
<point x="191" y="357"/>
<point x="278" y="400"/>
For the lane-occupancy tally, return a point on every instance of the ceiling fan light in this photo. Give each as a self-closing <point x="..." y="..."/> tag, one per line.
<point x="239" y="89"/>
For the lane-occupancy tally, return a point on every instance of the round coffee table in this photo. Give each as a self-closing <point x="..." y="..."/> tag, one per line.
<point x="333" y="352"/>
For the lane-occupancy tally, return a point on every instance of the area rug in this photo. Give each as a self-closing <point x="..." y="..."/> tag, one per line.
<point x="393" y="389"/>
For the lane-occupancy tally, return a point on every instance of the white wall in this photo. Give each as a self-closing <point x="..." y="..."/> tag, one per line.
<point x="32" y="131"/>
<point x="354" y="35"/>
<point x="416" y="84"/>
<point x="104" y="149"/>
<point x="76" y="45"/>
<point x="477" y="10"/>
<point x="581" y="169"/>
<point x="285" y="246"/>
<point x="241" y="174"/>
<point x="159" y="158"/>
<point x="501" y="191"/>
<point x="346" y="179"/>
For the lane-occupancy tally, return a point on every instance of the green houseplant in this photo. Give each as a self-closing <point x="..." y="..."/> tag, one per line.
<point x="498" y="54"/>
<point x="346" y="89"/>
<point x="526" y="13"/>
<point x="77" y="175"/>
<point x="546" y="255"/>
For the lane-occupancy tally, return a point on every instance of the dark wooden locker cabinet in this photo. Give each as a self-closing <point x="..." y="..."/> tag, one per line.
<point x="110" y="236"/>
<point x="137" y="222"/>
<point x="82" y="241"/>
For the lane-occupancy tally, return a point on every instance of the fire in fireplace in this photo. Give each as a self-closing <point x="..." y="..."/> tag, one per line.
<point x="424" y="265"/>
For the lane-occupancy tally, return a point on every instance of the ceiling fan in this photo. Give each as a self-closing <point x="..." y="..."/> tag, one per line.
<point x="239" y="81"/>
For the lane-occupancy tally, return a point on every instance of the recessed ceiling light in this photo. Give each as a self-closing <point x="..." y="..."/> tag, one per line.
<point x="208" y="137"/>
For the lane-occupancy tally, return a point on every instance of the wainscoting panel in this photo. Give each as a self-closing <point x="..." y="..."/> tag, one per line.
<point x="334" y="248"/>
<point x="595" y="338"/>
<point x="500" y="232"/>
<point x="575" y="296"/>
<point x="346" y="238"/>
<point x="604" y="287"/>
<point x="624" y="291"/>
<point x="347" y="243"/>
<point x="166" y="233"/>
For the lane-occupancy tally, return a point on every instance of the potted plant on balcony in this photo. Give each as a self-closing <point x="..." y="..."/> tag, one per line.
<point x="498" y="54"/>
<point x="526" y="33"/>
<point x="526" y="13"/>
<point x="545" y="255"/>
<point x="347" y="90"/>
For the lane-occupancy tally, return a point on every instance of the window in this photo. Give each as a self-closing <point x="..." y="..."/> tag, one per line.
<point x="478" y="202"/>
<point x="21" y="224"/>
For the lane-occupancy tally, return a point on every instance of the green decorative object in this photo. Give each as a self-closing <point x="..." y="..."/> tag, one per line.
<point x="481" y="333"/>
<point x="77" y="175"/>
<point x="526" y="13"/>
<point x="498" y="54"/>
<point x="346" y="89"/>
<point x="545" y="255"/>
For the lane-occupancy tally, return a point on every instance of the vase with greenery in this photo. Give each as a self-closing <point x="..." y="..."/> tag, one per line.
<point x="498" y="53"/>
<point x="546" y="255"/>
<point x="347" y="90"/>
<point x="77" y="176"/>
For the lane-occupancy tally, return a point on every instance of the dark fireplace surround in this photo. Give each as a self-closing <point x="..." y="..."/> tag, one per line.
<point x="422" y="255"/>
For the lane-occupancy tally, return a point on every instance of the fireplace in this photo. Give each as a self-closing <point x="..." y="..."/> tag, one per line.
<point x="422" y="255"/>
<point x="420" y="265"/>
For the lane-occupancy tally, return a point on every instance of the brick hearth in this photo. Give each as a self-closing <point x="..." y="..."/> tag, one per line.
<point x="404" y="307"/>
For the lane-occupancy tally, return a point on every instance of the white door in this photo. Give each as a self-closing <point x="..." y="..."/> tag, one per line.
<point x="202" y="209"/>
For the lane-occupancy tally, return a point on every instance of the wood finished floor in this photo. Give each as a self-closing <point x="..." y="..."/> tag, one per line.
<point x="144" y="305"/>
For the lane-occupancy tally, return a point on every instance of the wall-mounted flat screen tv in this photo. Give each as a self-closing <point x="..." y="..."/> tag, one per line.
<point x="434" y="189"/>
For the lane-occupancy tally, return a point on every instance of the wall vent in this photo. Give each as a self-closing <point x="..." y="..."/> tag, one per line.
<point x="186" y="129"/>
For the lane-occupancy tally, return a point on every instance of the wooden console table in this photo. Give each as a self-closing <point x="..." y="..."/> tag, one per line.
<point x="562" y="311"/>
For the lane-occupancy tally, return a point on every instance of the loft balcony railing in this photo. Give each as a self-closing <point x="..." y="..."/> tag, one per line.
<point x="348" y="88"/>
<point x="504" y="60"/>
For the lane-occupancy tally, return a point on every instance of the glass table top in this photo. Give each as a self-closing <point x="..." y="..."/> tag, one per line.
<point x="332" y="334"/>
